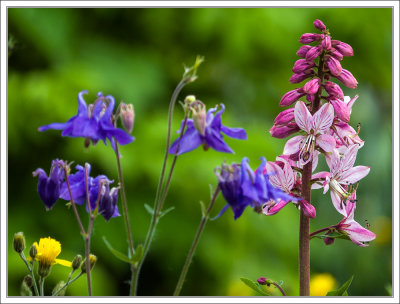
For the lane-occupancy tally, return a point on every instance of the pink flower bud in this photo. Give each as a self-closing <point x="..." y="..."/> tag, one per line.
<point x="333" y="65"/>
<point x="336" y="54"/>
<point x="312" y="86"/>
<point x="308" y="38"/>
<point x="329" y="241"/>
<point x="284" y="117"/>
<point x="341" y="109"/>
<point x="303" y="51"/>
<point x="291" y="96"/>
<point x="326" y="42"/>
<point x="308" y="209"/>
<point x="283" y="131"/>
<point x="299" y="77"/>
<point x="301" y="65"/>
<point x="347" y="79"/>
<point x="343" y="48"/>
<point x="333" y="89"/>
<point x="262" y="280"/>
<point x="319" y="25"/>
<point x="313" y="53"/>
<point x="127" y="116"/>
<point x="310" y="97"/>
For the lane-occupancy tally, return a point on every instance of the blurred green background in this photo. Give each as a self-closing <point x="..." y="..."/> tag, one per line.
<point x="137" y="55"/>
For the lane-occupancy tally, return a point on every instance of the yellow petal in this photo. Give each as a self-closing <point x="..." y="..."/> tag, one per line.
<point x="63" y="262"/>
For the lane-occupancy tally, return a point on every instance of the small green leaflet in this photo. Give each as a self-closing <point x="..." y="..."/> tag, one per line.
<point x="151" y="210"/>
<point x="137" y="257"/>
<point x="342" y="291"/>
<point x="254" y="286"/>
<point x="116" y="253"/>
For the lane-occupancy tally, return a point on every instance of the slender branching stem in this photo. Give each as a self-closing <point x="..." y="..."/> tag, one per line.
<point x="90" y="227"/>
<point x="41" y="282"/>
<point x="69" y="282"/>
<point x="192" y="249"/>
<point x="30" y="268"/>
<point x="319" y="231"/>
<point x="280" y="288"/>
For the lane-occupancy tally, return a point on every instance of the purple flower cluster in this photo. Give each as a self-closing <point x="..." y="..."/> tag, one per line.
<point x="93" y="122"/>
<point x="52" y="188"/>
<point x="323" y="123"/>
<point x="242" y="187"/>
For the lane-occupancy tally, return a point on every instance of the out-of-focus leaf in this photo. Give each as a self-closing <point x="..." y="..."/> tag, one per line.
<point x="342" y="291"/>
<point x="254" y="286"/>
<point x="116" y="253"/>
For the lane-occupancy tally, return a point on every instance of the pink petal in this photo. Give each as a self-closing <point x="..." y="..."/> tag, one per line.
<point x="275" y="209"/>
<point x="322" y="120"/>
<point x="277" y="176"/>
<point x="350" y="208"/>
<point x="315" y="160"/>
<point x="302" y="116"/>
<point x="333" y="161"/>
<point x="293" y="145"/>
<point x="358" y="234"/>
<point x="326" y="142"/>
<point x="323" y="175"/>
<point x="354" y="175"/>
<point x="341" y="109"/>
<point x="289" y="176"/>
<point x="349" y="157"/>
<point x="337" y="203"/>
<point x="351" y="102"/>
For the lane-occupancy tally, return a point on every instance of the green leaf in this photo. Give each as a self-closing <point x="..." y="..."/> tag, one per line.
<point x="137" y="257"/>
<point x="116" y="253"/>
<point x="254" y="286"/>
<point x="388" y="288"/>
<point x="342" y="291"/>
<point x="203" y="208"/>
<point x="166" y="211"/>
<point x="334" y="235"/>
<point x="149" y="209"/>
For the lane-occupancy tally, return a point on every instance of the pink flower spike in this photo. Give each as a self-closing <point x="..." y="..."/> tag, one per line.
<point x="283" y="131"/>
<point x="341" y="109"/>
<point x="333" y="65"/>
<point x="284" y="117"/>
<point x="299" y="77"/>
<point x="303" y="51"/>
<point x="307" y="209"/>
<point x="319" y="25"/>
<point x="336" y="54"/>
<point x="310" y="37"/>
<point x="344" y="48"/>
<point x="312" y="86"/>
<point x="301" y="65"/>
<point x="313" y="53"/>
<point x="347" y="79"/>
<point x="333" y="89"/>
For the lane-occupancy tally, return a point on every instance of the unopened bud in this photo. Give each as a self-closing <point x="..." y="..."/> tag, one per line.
<point x="284" y="117"/>
<point x="291" y="97"/>
<point x="344" y="48"/>
<point x="326" y="42"/>
<point x="43" y="269"/>
<point x="341" y="109"/>
<point x="262" y="280"/>
<point x="26" y="290"/>
<point x="307" y="209"/>
<point x="333" y="65"/>
<point x="313" y="52"/>
<point x="33" y="252"/>
<point x="92" y="261"/>
<point x="127" y="116"/>
<point x="329" y="241"/>
<point x="333" y="90"/>
<point x="308" y="38"/>
<point x="76" y="262"/>
<point x="57" y="287"/>
<point x="336" y="54"/>
<point x="302" y="52"/>
<point x="299" y="77"/>
<point x="301" y="65"/>
<point x="283" y="131"/>
<point x="312" y="86"/>
<point x="347" y="79"/>
<point x="28" y="280"/>
<point x="19" y="242"/>
<point x="189" y="99"/>
<point x="319" y="25"/>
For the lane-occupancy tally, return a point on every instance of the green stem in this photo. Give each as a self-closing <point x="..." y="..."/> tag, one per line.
<point x="124" y="202"/>
<point x="42" y="286"/>
<point x="69" y="282"/>
<point x="90" y="228"/>
<point x="189" y="257"/>
<point x="280" y="288"/>
<point x="157" y="202"/>
<point x="30" y="269"/>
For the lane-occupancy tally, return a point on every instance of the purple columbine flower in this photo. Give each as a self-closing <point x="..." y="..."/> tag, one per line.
<point x="208" y="136"/>
<point x="242" y="187"/>
<point x="93" y="122"/>
<point x="49" y="187"/>
<point x="106" y="199"/>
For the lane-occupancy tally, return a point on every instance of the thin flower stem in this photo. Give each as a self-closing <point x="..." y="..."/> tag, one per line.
<point x="189" y="257"/>
<point x="280" y="288"/>
<point x="90" y="227"/>
<point x="41" y="286"/>
<point x="69" y="282"/>
<point x="319" y="231"/>
<point x="304" y="228"/>
<point x="124" y="202"/>
<point x="83" y="232"/>
<point x="30" y="271"/>
<point x="157" y="201"/>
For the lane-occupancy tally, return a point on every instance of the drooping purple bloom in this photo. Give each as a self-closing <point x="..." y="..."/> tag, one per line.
<point x="212" y="137"/>
<point x="49" y="187"/>
<point x="108" y="202"/>
<point x="93" y="122"/>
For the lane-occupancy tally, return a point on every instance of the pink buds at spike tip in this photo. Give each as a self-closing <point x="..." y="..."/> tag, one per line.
<point x="303" y="51"/>
<point x="313" y="53"/>
<point x="319" y="25"/>
<point x="301" y="65"/>
<point x="333" y="65"/>
<point x="291" y="96"/>
<point x="333" y="89"/>
<point x="341" y="109"/>
<point x="347" y="79"/>
<point x="309" y="37"/>
<point x="299" y="77"/>
<point x="326" y="42"/>
<point x="344" y="48"/>
<point x="312" y="86"/>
